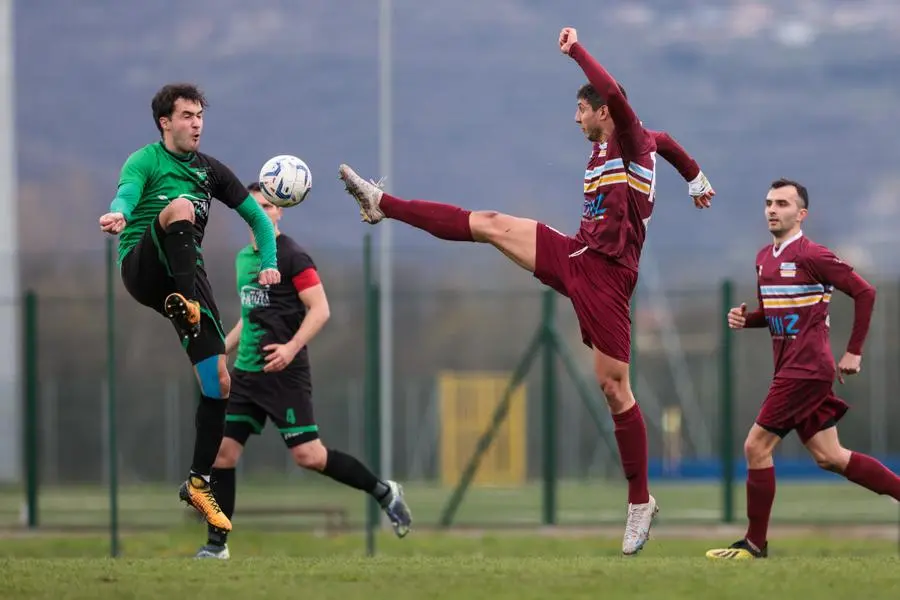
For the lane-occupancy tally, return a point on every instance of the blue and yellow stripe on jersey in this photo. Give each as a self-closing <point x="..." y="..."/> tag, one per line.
<point x="610" y="172"/>
<point x="794" y="296"/>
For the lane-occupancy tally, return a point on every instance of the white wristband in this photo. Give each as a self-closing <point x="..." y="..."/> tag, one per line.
<point x="699" y="185"/>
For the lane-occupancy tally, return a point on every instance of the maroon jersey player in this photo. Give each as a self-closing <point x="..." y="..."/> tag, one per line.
<point x="795" y="280"/>
<point x="596" y="269"/>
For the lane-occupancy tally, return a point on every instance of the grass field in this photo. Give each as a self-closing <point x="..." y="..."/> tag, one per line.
<point x="537" y="564"/>
<point x="829" y="540"/>
<point x="578" y="503"/>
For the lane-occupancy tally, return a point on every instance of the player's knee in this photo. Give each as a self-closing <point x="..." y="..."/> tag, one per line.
<point x="212" y="373"/>
<point x="832" y="460"/>
<point x="311" y="455"/>
<point x="756" y="452"/>
<point x="179" y="209"/>
<point x="224" y="383"/>
<point x="616" y="389"/>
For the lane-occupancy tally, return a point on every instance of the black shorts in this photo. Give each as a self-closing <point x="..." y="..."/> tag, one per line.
<point x="284" y="397"/>
<point x="146" y="275"/>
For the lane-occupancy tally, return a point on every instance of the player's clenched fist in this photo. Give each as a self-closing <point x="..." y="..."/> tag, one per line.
<point x="567" y="38"/>
<point x="737" y="317"/>
<point x="112" y="222"/>
<point x="269" y="277"/>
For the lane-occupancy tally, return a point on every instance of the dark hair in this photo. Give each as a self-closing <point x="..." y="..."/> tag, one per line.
<point x="253" y="186"/>
<point x="593" y="97"/>
<point x="163" y="103"/>
<point x="801" y="189"/>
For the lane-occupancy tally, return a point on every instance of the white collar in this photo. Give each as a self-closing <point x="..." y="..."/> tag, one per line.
<point x="786" y="243"/>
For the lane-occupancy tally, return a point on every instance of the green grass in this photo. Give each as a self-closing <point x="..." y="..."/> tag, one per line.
<point x="434" y="566"/>
<point x="588" y="502"/>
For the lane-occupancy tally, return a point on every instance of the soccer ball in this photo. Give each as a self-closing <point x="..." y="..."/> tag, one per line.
<point x="285" y="180"/>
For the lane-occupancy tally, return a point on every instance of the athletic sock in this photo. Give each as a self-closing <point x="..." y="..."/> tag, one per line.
<point x="760" y="497"/>
<point x="443" y="221"/>
<point x="631" y="436"/>
<point x="210" y="426"/>
<point x="224" y="487"/>
<point x="871" y="474"/>
<point x="346" y="469"/>
<point x="181" y="254"/>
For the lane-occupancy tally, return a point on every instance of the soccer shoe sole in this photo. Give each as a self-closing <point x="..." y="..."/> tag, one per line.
<point x="177" y="311"/>
<point x="185" y="495"/>
<point x="649" y="529"/>
<point x="730" y="554"/>
<point x="356" y="187"/>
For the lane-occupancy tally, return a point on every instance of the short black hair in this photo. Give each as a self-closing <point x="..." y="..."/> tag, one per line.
<point x="801" y="189"/>
<point x="163" y="103"/>
<point x="253" y="186"/>
<point x="593" y="97"/>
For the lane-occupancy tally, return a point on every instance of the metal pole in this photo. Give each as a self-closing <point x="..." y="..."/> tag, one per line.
<point x="11" y="434"/>
<point x="111" y="397"/>
<point x="31" y="408"/>
<point x="550" y="409"/>
<point x="726" y="387"/>
<point x="386" y="286"/>
<point x="370" y="394"/>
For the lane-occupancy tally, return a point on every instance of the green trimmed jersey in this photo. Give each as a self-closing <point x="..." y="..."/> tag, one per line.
<point x="270" y="314"/>
<point x="162" y="176"/>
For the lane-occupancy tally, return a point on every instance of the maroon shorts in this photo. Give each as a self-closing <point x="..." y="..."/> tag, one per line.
<point x="805" y="405"/>
<point x="600" y="289"/>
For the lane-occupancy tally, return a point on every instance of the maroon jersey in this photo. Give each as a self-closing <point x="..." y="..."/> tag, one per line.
<point x="619" y="181"/>
<point x="795" y="283"/>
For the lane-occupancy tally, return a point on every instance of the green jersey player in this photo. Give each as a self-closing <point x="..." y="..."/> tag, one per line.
<point x="271" y="379"/>
<point x="160" y="210"/>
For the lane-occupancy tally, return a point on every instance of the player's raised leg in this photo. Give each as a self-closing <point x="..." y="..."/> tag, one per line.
<point x="631" y="438"/>
<point x="177" y="244"/>
<point x="758" y="449"/>
<point x="863" y="470"/>
<point x="515" y="237"/>
<point x="215" y="386"/>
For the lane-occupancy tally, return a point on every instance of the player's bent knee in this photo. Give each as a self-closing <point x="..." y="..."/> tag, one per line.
<point x="834" y="460"/>
<point x="616" y="389"/>
<point x="179" y="209"/>
<point x="311" y="455"/>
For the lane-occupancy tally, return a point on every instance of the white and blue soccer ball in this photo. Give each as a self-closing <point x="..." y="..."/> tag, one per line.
<point x="285" y="180"/>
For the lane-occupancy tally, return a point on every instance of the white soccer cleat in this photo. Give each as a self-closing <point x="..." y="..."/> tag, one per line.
<point x="212" y="551"/>
<point x="367" y="194"/>
<point x="637" y="528"/>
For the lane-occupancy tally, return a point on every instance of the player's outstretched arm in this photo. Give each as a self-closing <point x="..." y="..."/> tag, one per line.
<point x="317" y="314"/>
<point x="629" y="130"/>
<point x="828" y="269"/>
<point x="132" y="179"/>
<point x="234" y="337"/>
<point x="264" y="234"/>
<point x="674" y="153"/>
<point x="231" y="192"/>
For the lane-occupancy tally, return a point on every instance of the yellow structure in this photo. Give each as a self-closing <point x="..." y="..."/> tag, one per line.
<point x="468" y="401"/>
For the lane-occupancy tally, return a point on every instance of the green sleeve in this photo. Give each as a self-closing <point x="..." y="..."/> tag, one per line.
<point x="263" y="231"/>
<point x="132" y="180"/>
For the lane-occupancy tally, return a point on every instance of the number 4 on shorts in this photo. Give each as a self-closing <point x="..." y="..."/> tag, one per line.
<point x="290" y="417"/>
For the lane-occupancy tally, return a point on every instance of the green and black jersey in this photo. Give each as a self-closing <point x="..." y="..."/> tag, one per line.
<point x="272" y="314"/>
<point x="152" y="177"/>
